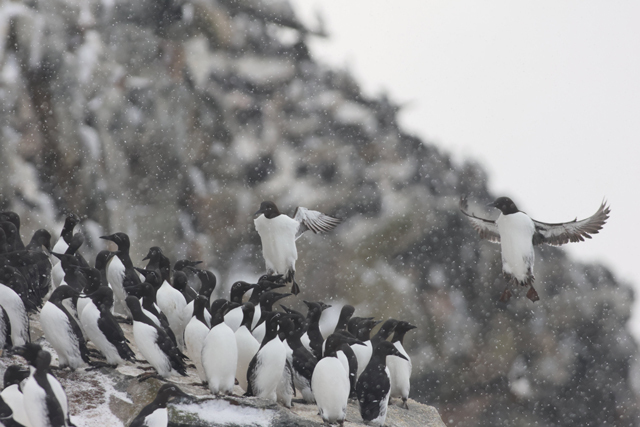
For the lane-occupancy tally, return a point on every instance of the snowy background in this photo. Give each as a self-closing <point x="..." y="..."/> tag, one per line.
<point x="171" y="121"/>
<point x="544" y="94"/>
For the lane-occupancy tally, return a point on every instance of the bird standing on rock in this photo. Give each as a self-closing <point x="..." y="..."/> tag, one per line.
<point x="374" y="385"/>
<point x="400" y="370"/>
<point x="517" y="233"/>
<point x="154" y="343"/>
<point x="279" y="232"/>
<point x="62" y="331"/>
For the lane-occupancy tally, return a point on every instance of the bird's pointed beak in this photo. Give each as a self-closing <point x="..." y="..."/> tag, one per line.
<point x="395" y="352"/>
<point x="491" y="205"/>
<point x="110" y="237"/>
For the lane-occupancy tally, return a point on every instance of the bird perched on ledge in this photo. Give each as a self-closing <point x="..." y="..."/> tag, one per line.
<point x="279" y="232"/>
<point x="517" y="233"/>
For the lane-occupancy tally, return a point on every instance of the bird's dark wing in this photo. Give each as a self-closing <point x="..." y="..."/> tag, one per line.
<point x="574" y="231"/>
<point x="113" y="332"/>
<point x="304" y="362"/>
<point x="314" y="221"/>
<point x="77" y="332"/>
<point x="176" y="358"/>
<point x="486" y="228"/>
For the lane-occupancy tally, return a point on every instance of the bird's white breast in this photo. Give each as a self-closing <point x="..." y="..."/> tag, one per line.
<point x="57" y="329"/>
<point x="89" y="320"/>
<point x="220" y="358"/>
<point x="400" y="372"/>
<point x="363" y="354"/>
<point x="278" y="236"/>
<point x="14" y="398"/>
<point x="247" y="348"/>
<point x="17" y="314"/>
<point x="271" y="360"/>
<point x="516" y="234"/>
<point x="330" y="385"/>
<point x="194" y="335"/>
<point x="158" y="418"/>
<point x="35" y="400"/>
<point x="145" y="337"/>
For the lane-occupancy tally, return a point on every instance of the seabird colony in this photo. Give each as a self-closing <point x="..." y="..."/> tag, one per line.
<point x="270" y="350"/>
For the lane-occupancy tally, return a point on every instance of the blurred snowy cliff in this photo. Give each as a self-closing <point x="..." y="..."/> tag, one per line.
<point x="172" y="120"/>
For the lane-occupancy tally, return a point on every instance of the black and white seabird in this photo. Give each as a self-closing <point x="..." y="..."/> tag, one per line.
<point x="330" y="382"/>
<point x="517" y="233"/>
<point x="102" y="328"/>
<point x="195" y="333"/>
<point x="220" y="352"/>
<point x="303" y="361"/>
<point x="286" y="389"/>
<point x="170" y="300"/>
<point x="207" y="281"/>
<point x="66" y="234"/>
<point x="44" y="398"/>
<point x="155" y="414"/>
<point x="147" y="295"/>
<point x="154" y="343"/>
<point x="247" y="344"/>
<point x="265" y="369"/>
<point x="313" y="330"/>
<point x="234" y="318"/>
<point x="120" y="272"/>
<point x="361" y="327"/>
<point x="62" y="330"/>
<point x="374" y="385"/>
<point x="279" y="232"/>
<point x="399" y="369"/>
<point x="267" y="299"/>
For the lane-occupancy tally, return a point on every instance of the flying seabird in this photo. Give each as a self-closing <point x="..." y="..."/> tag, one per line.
<point x="517" y="233"/>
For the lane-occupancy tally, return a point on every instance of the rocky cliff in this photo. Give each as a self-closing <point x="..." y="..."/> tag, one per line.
<point x="171" y="120"/>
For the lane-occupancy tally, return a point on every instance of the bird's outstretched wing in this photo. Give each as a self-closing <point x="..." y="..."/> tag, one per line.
<point x="314" y="221"/>
<point x="486" y="228"/>
<point x="574" y="231"/>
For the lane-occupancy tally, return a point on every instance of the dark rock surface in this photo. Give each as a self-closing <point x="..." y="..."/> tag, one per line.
<point x="172" y="120"/>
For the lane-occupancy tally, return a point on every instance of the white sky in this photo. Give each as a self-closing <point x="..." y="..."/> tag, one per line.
<point x="545" y="95"/>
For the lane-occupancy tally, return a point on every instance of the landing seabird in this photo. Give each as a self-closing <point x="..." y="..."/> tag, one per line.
<point x="279" y="232"/>
<point x="517" y="233"/>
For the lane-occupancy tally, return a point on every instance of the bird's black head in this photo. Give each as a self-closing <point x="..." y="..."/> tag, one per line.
<point x="29" y="352"/>
<point x="63" y="292"/>
<point x="42" y="237"/>
<point x="120" y="239"/>
<point x="154" y="253"/>
<point x="287" y="326"/>
<point x="12" y="217"/>
<point x="403" y="327"/>
<point x="386" y="348"/>
<point x="268" y="209"/>
<point x="238" y="289"/>
<point x="71" y="221"/>
<point x="505" y="205"/>
<point x="43" y="360"/>
<point x="15" y="374"/>
<point x="168" y="391"/>
<point x="103" y="295"/>
<point x="267" y="299"/>
<point x="180" y="280"/>
<point x="102" y="259"/>
<point x="134" y="306"/>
